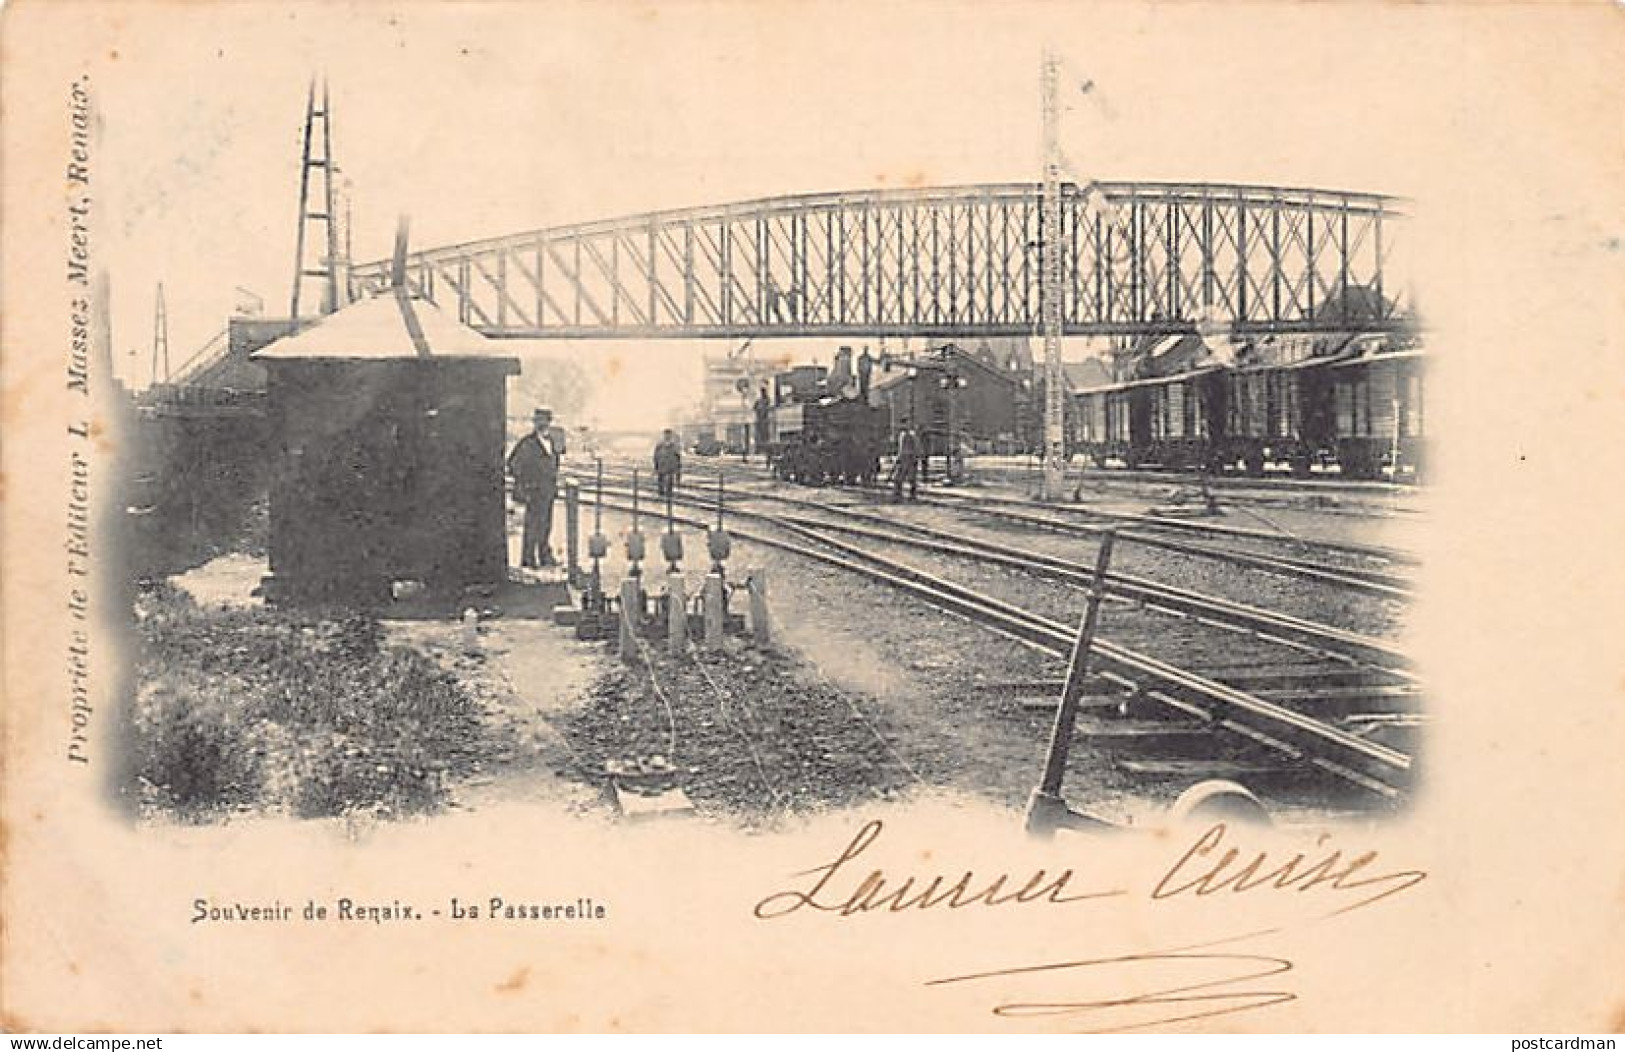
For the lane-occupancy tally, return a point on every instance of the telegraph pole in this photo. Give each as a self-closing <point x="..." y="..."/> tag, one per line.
<point x="1050" y="294"/>
<point x="327" y="267"/>
<point x="160" y="339"/>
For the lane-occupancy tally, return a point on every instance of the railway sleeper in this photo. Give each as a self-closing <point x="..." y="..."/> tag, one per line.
<point x="1111" y="703"/>
<point x="1038" y="686"/>
<point x="1243" y="771"/>
<point x="1162" y="737"/>
<point x="1307" y="679"/>
<point x="1344" y="705"/>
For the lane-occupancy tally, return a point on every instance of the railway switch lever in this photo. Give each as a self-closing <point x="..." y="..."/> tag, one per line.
<point x="1046" y="808"/>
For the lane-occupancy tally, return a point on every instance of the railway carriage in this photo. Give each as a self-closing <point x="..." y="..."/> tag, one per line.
<point x="1278" y="414"/>
<point x="1185" y="414"/>
<point x="1378" y="402"/>
<point x="1167" y="422"/>
<point x="1363" y="412"/>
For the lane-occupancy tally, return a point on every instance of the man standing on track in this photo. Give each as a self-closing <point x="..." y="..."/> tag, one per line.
<point x="907" y="468"/>
<point x="764" y="414"/>
<point x="534" y="465"/>
<point x="668" y="462"/>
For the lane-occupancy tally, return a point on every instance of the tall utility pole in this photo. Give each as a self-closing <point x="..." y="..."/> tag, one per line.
<point x="1050" y="294"/>
<point x="160" y="339"/>
<point x="317" y="154"/>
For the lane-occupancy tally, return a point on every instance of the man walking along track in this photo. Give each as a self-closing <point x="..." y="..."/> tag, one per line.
<point x="534" y="465"/>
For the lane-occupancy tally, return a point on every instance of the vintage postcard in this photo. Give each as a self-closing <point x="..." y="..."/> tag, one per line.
<point x="735" y="516"/>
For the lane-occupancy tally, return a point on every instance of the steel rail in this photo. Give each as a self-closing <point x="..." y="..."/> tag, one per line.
<point x="1394" y="585"/>
<point x="1371" y="551"/>
<point x="1238" y="487"/>
<point x="1351" y="576"/>
<point x="949" y="497"/>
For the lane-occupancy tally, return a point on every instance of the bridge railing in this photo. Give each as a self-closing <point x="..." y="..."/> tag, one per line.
<point x="1136" y="257"/>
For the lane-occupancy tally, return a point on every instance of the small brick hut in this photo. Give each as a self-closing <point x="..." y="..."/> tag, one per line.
<point x="386" y="424"/>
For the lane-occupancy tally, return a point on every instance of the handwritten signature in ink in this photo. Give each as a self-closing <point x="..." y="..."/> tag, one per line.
<point x="1167" y="986"/>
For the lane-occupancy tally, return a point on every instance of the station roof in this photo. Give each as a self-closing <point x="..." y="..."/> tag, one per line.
<point x="1315" y="362"/>
<point x="1408" y="353"/>
<point x="1151" y="381"/>
<point x="379" y="328"/>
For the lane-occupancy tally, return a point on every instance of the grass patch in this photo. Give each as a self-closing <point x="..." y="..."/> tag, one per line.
<point x="752" y="734"/>
<point x="291" y="711"/>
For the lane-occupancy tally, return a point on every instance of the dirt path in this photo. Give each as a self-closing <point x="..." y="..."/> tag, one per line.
<point x="528" y="675"/>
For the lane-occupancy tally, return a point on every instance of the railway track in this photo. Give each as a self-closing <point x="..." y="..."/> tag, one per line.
<point x="1299" y="633"/>
<point x="1349" y="499"/>
<point x="1213" y="529"/>
<point x="1385" y="583"/>
<point x="1323" y="641"/>
<point x="1252" y="717"/>
<point x="940" y="496"/>
<point x="1369" y="585"/>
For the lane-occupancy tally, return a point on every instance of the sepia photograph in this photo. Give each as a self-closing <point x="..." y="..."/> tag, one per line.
<point x="728" y="517"/>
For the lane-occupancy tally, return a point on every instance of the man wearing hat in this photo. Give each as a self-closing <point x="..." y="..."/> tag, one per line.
<point x="534" y="465"/>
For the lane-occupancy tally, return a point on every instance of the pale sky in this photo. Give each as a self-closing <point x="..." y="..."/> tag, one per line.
<point x="487" y="120"/>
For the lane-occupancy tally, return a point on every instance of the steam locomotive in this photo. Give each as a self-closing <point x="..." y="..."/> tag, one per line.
<point x="822" y="436"/>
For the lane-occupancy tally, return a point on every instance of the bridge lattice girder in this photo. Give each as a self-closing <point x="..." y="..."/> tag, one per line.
<point x="1136" y="257"/>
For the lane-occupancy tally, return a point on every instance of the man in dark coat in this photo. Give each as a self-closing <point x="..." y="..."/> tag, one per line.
<point x="866" y="368"/>
<point x="764" y="414"/>
<point x="534" y="465"/>
<point x="907" y="469"/>
<point x="668" y="462"/>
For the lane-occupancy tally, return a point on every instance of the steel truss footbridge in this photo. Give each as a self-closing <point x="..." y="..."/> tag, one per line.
<point x="947" y="261"/>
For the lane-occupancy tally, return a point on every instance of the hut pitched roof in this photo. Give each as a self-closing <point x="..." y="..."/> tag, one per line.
<point x="380" y="328"/>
